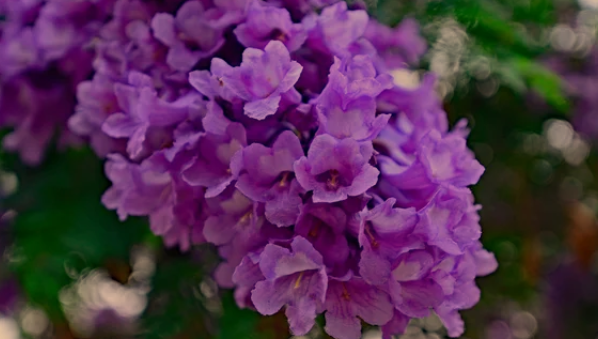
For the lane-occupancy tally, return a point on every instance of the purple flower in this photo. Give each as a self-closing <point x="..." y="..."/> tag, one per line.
<point x="456" y="277"/>
<point x="335" y="169"/>
<point x="179" y="221"/>
<point x="395" y="326"/>
<point x="247" y="240"/>
<point x="385" y="233"/>
<point x="19" y="52"/>
<point x="23" y="107"/>
<point x="126" y="43"/>
<point x="230" y="212"/>
<point x="246" y="275"/>
<point x="422" y="106"/>
<point x="303" y="118"/>
<point x="399" y="46"/>
<point x="267" y="176"/>
<point x="259" y="131"/>
<point x="485" y="261"/>
<point x="452" y="220"/>
<point x="181" y="216"/>
<point x="175" y="209"/>
<point x="137" y="51"/>
<point x="324" y="225"/>
<point x="20" y="12"/>
<point x="217" y="162"/>
<point x="400" y="139"/>
<point x="63" y="26"/>
<point x="338" y="28"/>
<point x="347" y="106"/>
<point x="348" y="301"/>
<point x="263" y="78"/>
<point x="439" y="160"/>
<point x="143" y="109"/>
<point x="211" y="84"/>
<point x="419" y="278"/>
<point x="42" y="59"/>
<point x="137" y="189"/>
<point x="299" y="8"/>
<point x="295" y="277"/>
<point x="183" y="149"/>
<point x="96" y="101"/>
<point x="213" y="149"/>
<point x="408" y="138"/>
<point x="243" y="253"/>
<point x="412" y="288"/>
<point x="238" y="7"/>
<point x="316" y="66"/>
<point x="125" y="16"/>
<point x="194" y="34"/>
<point x="265" y="23"/>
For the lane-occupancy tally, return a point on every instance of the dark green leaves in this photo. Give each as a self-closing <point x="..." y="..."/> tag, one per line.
<point x="510" y="33"/>
<point x="62" y="228"/>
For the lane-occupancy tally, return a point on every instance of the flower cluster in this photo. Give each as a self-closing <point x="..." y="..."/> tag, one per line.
<point x="43" y="56"/>
<point x="276" y="131"/>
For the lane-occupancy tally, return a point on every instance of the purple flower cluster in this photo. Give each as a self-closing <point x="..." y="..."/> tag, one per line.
<point x="43" y="56"/>
<point x="275" y="131"/>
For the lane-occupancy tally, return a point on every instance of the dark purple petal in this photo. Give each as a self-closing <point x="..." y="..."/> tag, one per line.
<point x="395" y="326"/>
<point x="265" y="23"/>
<point x="346" y="301"/>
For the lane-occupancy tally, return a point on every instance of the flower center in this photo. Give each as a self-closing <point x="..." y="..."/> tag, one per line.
<point x="368" y="232"/>
<point x="167" y="144"/>
<point x="285" y="178"/>
<point x="332" y="182"/>
<point x="246" y="217"/>
<point x="108" y="107"/>
<point x="298" y="281"/>
<point x="345" y="293"/>
<point x="315" y="230"/>
<point x="332" y="179"/>
<point x="189" y="43"/>
<point x="279" y="35"/>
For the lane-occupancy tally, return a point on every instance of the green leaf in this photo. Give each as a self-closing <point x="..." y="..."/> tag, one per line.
<point x="238" y="323"/>
<point x="248" y="324"/>
<point x="62" y="228"/>
<point x="548" y="84"/>
<point x="176" y="306"/>
<point x="510" y="33"/>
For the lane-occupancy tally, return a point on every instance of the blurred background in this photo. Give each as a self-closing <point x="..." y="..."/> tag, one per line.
<point x="525" y="75"/>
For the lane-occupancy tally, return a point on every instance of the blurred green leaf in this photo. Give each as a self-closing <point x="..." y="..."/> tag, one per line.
<point x="509" y="32"/>
<point x="548" y="84"/>
<point x="237" y="323"/>
<point x="62" y="227"/>
<point x="176" y="308"/>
